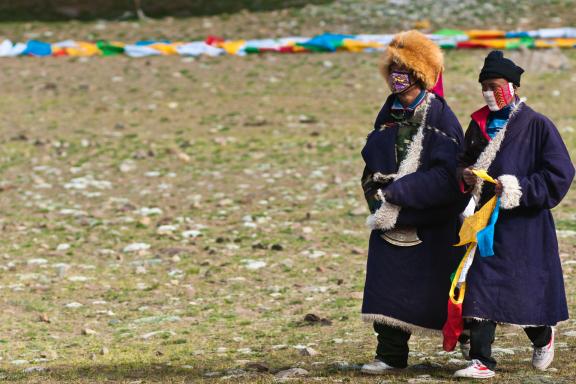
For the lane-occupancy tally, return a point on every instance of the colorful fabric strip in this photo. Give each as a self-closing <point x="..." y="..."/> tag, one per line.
<point x="327" y="42"/>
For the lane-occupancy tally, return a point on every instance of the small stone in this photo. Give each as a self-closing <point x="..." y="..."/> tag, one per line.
<point x="63" y="247"/>
<point x="104" y="351"/>
<point x="149" y="335"/>
<point x="311" y="318"/>
<point x="49" y="354"/>
<point x="166" y="229"/>
<point x="308" y="352"/>
<point x="80" y="279"/>
<point x="35" y="369"/>
<point x="136" y="247"/>
<point x="89" y="332"/>
<point x="258" y="367"/>
<point x="357" y="251"/>
<point x="184" y="157"/>
<point x="255" y="264"/>
<point x="359" y="211"/>
<point x="502" y="351"/>
<point x="279" y="347"/>
<point x="190" y="234"/>
<point x="38" y="261"/>
<point x="306" y="119"/>
<point x="292" y="372"/>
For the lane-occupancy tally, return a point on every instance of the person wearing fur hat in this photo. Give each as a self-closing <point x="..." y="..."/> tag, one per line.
<point x="522" y="283"/>
<point x="412" y="190"/>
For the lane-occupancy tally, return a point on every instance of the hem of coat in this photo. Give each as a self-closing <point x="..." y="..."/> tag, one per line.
<point x="407" y="327"/>
<point x="512" y="324"/>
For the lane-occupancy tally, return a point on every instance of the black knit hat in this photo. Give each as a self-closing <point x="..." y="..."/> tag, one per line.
<point x="496" y="65"/>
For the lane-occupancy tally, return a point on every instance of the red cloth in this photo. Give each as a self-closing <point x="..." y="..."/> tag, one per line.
<point x="453" y="327"/>
<point x="213" y="40"/>
<point x="438" y="89"/>
<point x="471" y="44"/>
<point x="481" y="118"/>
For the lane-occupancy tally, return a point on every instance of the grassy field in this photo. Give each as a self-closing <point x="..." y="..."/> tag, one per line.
<point x="174" y="220"/>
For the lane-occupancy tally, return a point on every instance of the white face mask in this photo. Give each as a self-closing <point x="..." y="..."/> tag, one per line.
<point x="499" y="97"/>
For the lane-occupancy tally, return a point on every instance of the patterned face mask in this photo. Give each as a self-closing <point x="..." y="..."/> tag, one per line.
<point x="499" y="97"/>
<point x="400" y="81"/>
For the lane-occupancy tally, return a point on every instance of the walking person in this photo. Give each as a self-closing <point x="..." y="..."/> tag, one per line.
<point x="522" y="283"/>
<point x="412" y="190"/>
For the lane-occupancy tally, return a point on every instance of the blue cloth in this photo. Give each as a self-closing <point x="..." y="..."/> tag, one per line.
<point x="397" y="105"/>
<point x="326" y="42"/>
<point x="485" y="237"/>
<point x="150" y="42"/>
<point x="398" y="111"/>
<point x="497" y="120"/>
<point x="37" y="48"/>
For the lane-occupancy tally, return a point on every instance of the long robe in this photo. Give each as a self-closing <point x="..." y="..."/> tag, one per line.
<point x="407" y="287"/>
<point x="522" y="283"/>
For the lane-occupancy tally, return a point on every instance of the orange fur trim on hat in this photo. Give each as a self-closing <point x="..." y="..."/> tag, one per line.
<point x="417" y="53"/>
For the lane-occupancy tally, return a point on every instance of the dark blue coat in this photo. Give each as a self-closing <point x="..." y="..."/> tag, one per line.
<point x="522" y="283"/>
<point x="408" y="286"/>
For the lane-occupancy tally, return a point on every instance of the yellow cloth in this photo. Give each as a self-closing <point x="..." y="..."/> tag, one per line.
<point x="471" y="226"/>
<point x="475" y="223"/>
<point x="462" y="289"/>
<point x="232" y="47"/>
<point x="551" y="43"/>
<point x="166" y="49"/>
<point x="483" y="34"/>
<point x="491" y="43"/>
<point x="359" y="46"/>
<point x="83" y="49"/>
<point x="481" y="173"/>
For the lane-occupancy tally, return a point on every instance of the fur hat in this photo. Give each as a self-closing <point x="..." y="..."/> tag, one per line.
<point x="417" y="53"/>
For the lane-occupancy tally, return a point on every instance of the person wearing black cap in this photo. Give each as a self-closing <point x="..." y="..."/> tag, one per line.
<point x="522" y="284"/>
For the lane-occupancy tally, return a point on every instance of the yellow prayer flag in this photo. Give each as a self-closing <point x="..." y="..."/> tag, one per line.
<point x="232" y="47"/>
<point x="475" y="223"/>
<point x="481" y="173"/>
<point x="166" y="48"/>
<point x="359" y="46"/>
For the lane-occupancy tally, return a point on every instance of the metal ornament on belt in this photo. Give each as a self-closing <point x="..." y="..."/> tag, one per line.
<point x="402" y="236"/>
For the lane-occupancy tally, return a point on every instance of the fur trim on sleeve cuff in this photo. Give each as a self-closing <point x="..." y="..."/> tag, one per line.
<point x="382" y="178"/>
<point x="385" y="217"/>
<point x="511" y="191"/>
